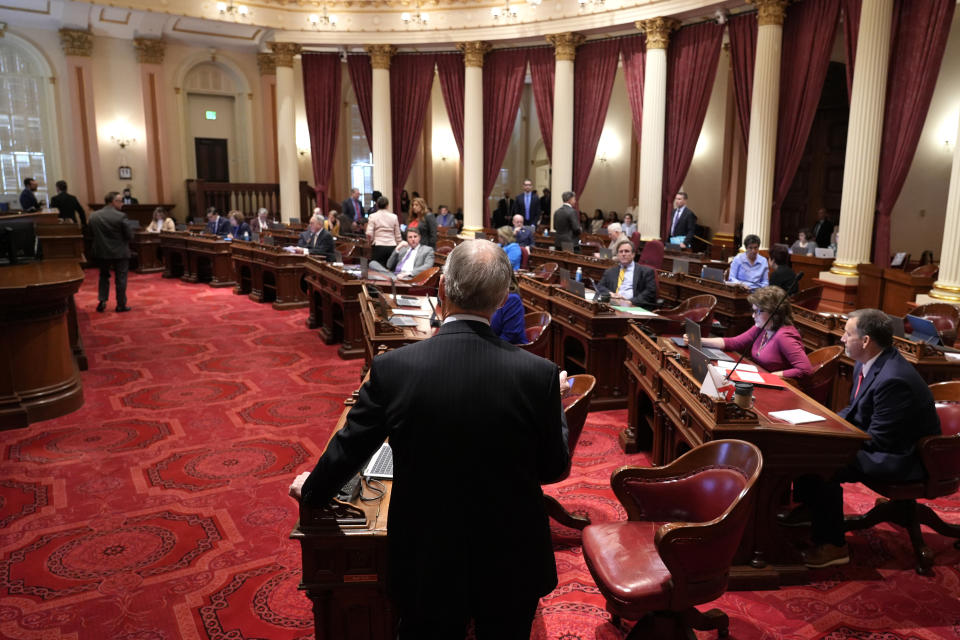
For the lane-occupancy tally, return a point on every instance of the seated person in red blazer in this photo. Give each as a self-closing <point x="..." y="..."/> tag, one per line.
<point x="780" y="349"/>
<point x="629" y="283"/>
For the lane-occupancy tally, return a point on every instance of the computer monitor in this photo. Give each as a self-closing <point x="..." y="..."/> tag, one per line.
<point x="698" y="363"/>
<point x="293" y="220"/>
<point x="606" y="253"/>
<point x="566" y="246"/>
<point x="564" y="274"/>
<point x="680" y="266"/>
<point x="576" y="288"/>
<point x="823" y="252"/>
<point x="18" y="241"/>
<point x="693" y="332"/>
<point x="711" y="273"/>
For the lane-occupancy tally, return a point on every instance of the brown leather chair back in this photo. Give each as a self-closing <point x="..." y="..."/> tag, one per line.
<point x="941" y="454"/>
<point x="698" y="308"/>
<point x="819" y="383"/>
<point x="546" y="272"/>
<point x="537" y="328"/>
<point x="524" y="257"/>
<point x="652" y="254"/>
<point x="445" y="246"/>
<point x="576" y="405"/>
<point x="926" y="271"/>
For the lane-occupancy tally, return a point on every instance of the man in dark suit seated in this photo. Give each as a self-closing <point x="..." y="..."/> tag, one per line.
<point x="629" y="283"/>
<point x="408" y="259"/>
<point x="216" y="224"/>
<point x="317" y="241"/>
<point x="512" y="439"/>
<point x="522" y="233"/>
<point x="892" y="403"/>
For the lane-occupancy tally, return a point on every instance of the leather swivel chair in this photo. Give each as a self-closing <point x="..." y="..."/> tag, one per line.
<point x="926" y="271"/>
<point x="685" y="522"/>
<point x="425" y="283"/>
<point x="524" y="257"/>
<point x="652" y="254"/>
<point x="444" y="246"/>
<point x="941" y="459"/>
<point x="576" y="405"/>
<point x="698" y="308"/>
<point x="537" y="328"/>
<point x="819" y="384"/>
<point x="546" y="272"/>
<point x="346" y="250"/>
<point x="945" y="317"/>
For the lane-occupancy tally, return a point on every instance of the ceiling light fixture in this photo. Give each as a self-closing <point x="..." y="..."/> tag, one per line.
<point x="419" y="18"/>
<point x="590" y="4"/>
<point x="233" y="11"/>
<point x="506" y="12"/>
<point x="324" y="20"/>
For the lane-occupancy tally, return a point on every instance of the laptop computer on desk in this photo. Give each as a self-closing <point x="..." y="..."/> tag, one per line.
<point x="698" y="363"/>
<point x="925" y="331"/>
<point x="823" y="252"/>
<point x="695" y="339"/>
<point x="711" y="273"/>
<point x="680" y="266"/>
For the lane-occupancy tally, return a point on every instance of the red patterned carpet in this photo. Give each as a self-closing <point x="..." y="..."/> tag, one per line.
<point x="158" y="511"/>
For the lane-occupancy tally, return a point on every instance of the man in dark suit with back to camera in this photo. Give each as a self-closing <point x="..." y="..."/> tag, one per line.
<point x="893" y="405"/>
<point x="68" y="205"/>
<point x="629" y="283"/>
<point x="566" y="221"/>
<point x="449" y="566"/>
<point x="527" y="204"/>
<point x="111" y="249"/>
<point x="683" y="222"/>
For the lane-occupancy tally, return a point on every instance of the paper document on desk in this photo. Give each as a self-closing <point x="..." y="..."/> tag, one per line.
<point x="636" y="311"/>
<point x="797" y="416"/>
<point x="715" y="385"/>
<point x="743" y="366"/>
<point x="418" y="313"/>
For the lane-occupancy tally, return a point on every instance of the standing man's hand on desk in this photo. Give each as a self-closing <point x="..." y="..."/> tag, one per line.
<point x="297" y="485"/>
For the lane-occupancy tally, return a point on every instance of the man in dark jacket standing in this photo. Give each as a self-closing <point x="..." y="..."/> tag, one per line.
<point x="111" y="249"/>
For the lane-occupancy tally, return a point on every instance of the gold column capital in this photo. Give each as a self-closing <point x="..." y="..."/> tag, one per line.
<point x="565" y="44"/>
<point x="658" y="31"/>
<point x="149" y="50"/>
<point x="380" y="55"/>
<point x="267" y="63"/>
<point x="283" y="53"/>
<point x="76" y="42"/>
<point x="770" y="11"/>
<point x="473" y="53"/>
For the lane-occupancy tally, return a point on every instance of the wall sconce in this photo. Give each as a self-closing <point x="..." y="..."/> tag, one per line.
<point x="444" y="146"/>
<point x="609" y="147"/>
<point x="302" y="151"/>
<point x="947" y="132"/>
<point x="123" y="141"/>
<point x="122" y="134"/>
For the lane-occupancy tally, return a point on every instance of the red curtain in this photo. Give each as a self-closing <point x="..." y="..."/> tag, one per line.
<point x="361" y="76"/>
<point x="321" y="92"/>
<point x="411" y="79"/>
<point x="743" y="55"/>
<point x="803" y="69"/>
<point x="452" y="79"/>
<point x="542" y="72"/>
<point x="691" y="67"/>
<point x="851" y="23"/>
<point x="634" y="52"/>
<point x="503" y="73"/>
<point x="593" y="72"/>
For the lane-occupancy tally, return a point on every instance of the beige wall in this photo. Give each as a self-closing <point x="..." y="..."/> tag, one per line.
<point x="608" y="186"/>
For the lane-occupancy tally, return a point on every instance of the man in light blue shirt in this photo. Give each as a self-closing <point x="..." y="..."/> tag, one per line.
<point x="749" y="269"/>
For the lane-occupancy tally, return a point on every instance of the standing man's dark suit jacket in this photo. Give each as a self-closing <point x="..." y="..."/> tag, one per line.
<point x="895" y="408"/>
<point x="686" y="226"/>
<point x="69" y="207"/>
<point x="484" y="537"/>
<point x="566" y="224"/>
<point x="644" y="284"/>
<point x="823" y="232"/>
<point x="347" y="208"/>
<point x="518" y="206"/>
<point x="323" y="246"/>
<point x="111" y="234"/>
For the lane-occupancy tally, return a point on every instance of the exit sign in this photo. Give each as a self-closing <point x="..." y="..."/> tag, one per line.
<point x="210" y="115"/>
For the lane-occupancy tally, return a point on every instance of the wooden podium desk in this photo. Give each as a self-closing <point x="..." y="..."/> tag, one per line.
<point x="39" y="377"/>
<point x="197" y="258"/>
<point x="269" y="274"/>
<point x="345" y="567"/>
<point x="732" y="310"/>
<point x="810" y="266"/>
<point x="147" y="246"/>
<point x="173" y="244"/>
<point x="379" y="335"/>
<point x="334" y="299"/>
<point x="683" y="418"/>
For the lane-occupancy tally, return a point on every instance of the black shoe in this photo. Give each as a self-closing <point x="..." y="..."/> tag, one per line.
<point x="122" y="309"/>
<point x="798" y="517"/>
<point x="101" y="306"/>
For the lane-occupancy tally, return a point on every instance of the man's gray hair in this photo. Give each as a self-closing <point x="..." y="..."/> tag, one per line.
<point x="566" y="195"/>
<point x="262" y="211"/>
<point x="478" y="275"/>
<point x="876" y="324"/>
<point x="316" y="218"/>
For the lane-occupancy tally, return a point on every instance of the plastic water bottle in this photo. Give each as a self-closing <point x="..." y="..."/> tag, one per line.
<point x="579" y="275"/>
<point x="546" y="233"/>
<point x="246" y="236"/>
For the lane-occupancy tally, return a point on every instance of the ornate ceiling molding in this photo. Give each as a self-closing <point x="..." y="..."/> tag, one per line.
<point x="473" y="52"/>
<point x="76" y="42"/>
<point x="149" y="50"/>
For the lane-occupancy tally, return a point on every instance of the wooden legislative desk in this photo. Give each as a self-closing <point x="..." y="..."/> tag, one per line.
<point x="269" y="274"/>
<point x="379" y="335"/>
<point x="333" y="295"/>
<point x="890" y="290"/>
<point x="147" y="246"/>
<point x="665" y="400"/>
<point x="39" y="377"/>
<point x="345" y="567"/>
<point x="732" y="310"/>
<point x="197" y="258"/>
<point x="591" y="266"/>
<point x="141" y="212"/>
<point x="58" y="238"/>
<point x="810" y="266"/>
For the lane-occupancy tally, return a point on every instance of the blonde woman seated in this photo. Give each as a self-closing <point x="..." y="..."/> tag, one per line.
<point x="332" y="223"/>
<point x="161" y="221"/>
<point x="779" y="350"/>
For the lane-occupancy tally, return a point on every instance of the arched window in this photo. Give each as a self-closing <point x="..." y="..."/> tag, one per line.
<point x="25" y="122"/>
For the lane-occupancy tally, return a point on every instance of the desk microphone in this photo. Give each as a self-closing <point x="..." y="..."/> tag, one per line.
<point x="600" y="296"/>
<point x="749" y="347"/>
<point x="434" y="318"/>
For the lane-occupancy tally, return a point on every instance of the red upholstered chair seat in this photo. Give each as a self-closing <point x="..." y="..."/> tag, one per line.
<point x="624" y="557"/>
<point x="533" y="333"/>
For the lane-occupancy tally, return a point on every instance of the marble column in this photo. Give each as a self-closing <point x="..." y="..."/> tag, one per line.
<point x="288" y="169"/>
<point x="153" y="88"/>
<point x="83" y="157"/>
<point x="649" y="196"/>
<point x="861" y="164"/>
<point x="561" y="165"/>
<point x="473" y="195"/>
<point x="947" y="286"/>
<point x="764" y="102"/>
<point x="267" y="64"/>
<point x="382" y="143"/>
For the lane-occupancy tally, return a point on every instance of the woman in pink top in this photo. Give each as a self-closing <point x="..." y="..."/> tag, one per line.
<point x="383" y="231"/>
<point x="779" y="350"/>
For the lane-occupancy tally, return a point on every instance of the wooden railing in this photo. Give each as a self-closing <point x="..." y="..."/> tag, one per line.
<point x="246" y="197"/>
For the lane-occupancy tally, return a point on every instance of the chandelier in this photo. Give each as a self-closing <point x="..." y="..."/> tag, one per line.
<point x="507" y="12"/>
<point x="590" y="4"/>
<point x="419" y="17"/>
<point x="233" y="11"/>
<point x="322" y="21"/>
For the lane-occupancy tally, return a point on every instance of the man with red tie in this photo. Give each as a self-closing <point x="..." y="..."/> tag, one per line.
<point x="354" y="208"/>
<point x="892" y="403"/>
